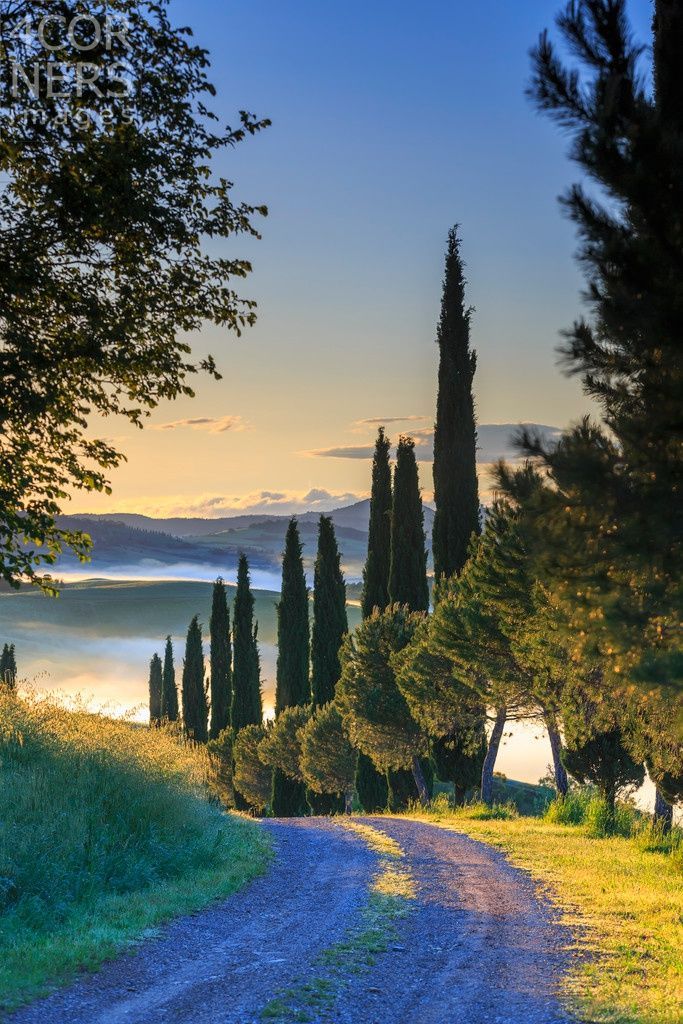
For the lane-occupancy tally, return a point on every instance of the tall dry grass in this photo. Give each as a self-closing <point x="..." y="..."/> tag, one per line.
<point x="105" y="830"/>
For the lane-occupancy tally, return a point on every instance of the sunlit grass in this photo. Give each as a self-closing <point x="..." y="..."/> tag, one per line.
<point x="105" y="831"/>
<point x="623" y="897"/>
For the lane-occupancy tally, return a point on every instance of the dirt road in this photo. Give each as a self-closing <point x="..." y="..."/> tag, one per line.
<point x="478" y="947"/>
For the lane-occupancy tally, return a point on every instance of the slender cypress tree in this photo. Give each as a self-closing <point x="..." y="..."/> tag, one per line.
<point x="155" y="687"/>
<point x="195" y="711"/>
<point x="408" y="576"/>
<point x="456" y="491"/>
<point x="246" y="675"/>
<point x="371" y="785"/>
<point x="376" y="572"/>
<point x="221" y="661"/>
<point x="169" y="691"/>
<point x="329" y="615"/>
<point x="293" y="684"/>
<point x="330" y="624"/>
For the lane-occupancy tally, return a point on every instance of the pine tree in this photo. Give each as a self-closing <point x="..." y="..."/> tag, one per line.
<point x="408" y="575"/>
<point x="221" y="661"/>
<point x="604" y="761"/>
<point x="456" y="491"/>
<point x="195" y="711"/>
<point x="376" y="572"/>
<point x="330" y="622"/>
<point x="613" y="514"/>
<point x="293" y="684"/>
<point x="371" y="785"/>
<point x="169" y="690"/>
<point x="246" y="675"/>
<point x="155" y="687"/>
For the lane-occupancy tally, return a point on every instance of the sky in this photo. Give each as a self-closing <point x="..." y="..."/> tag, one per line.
<point x="391" y="122"/>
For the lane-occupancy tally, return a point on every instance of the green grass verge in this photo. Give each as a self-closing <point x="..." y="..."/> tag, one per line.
<point x="105" y="832"/>
<point x="623" y="896"/>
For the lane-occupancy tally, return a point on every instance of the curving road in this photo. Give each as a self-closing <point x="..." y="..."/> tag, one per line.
<point x="480" y="946"/>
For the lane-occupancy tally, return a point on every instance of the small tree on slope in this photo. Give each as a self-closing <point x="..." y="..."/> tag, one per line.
<point x="169" y="690"/>
<point x="155" y="687"/>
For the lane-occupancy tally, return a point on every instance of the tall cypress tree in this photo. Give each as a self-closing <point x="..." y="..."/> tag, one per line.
<point x="221" y="661"/>
<point x="293" y="684"/>
<point x="371" y="785"/>
<point x="246" y="674"/>
<point x="376" y="571"/>
<point x="407" y="580"/>
<point x="456" y="491"/>
<point x="330" y="622"/>
<point x="408" y="576"/>
<point x="169" y="691"/>
<point x="155" y="687"/>
<point x="195" y="710"/>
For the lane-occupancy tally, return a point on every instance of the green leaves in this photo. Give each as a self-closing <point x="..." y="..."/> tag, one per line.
<point x="102" y="263"/>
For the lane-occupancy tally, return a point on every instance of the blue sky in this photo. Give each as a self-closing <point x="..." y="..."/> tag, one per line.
<point x="391" y="122"/>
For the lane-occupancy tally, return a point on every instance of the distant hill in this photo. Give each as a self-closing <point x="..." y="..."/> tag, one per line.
<point x="356" y="517"/>
<point x="140" y="545"/>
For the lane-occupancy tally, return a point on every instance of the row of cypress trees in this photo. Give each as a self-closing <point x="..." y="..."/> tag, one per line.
<point x="232" y="694"/>
<point x="308" y="662"/>
<point x="395" y="572"/>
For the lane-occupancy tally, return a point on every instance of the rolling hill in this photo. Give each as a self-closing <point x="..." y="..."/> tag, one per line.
<point x="135" y="545"/>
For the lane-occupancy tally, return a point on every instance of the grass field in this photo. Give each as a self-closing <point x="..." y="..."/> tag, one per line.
<point x="105" y="832"/>
<point x="623" y="897"/>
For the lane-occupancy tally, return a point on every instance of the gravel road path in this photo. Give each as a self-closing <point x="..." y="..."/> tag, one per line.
<point x="479" y="948"/>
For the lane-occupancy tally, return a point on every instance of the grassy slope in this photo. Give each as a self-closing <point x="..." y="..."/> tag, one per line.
<point x="624" y="900"/>
<point x="104" y="833"/>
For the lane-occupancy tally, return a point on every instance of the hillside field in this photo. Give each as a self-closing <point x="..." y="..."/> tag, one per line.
<point x="105" y="832"/>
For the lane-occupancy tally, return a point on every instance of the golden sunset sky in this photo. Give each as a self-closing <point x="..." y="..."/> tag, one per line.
<point x="391" y="122"/>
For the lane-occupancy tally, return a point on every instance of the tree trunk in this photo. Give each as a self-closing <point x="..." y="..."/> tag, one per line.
<point x="491" y="755"/>
<point x="664" y="813"/>
<point x="561" y="781"/>
<point x="418" y="775"/>
<point x="348" y="801"/>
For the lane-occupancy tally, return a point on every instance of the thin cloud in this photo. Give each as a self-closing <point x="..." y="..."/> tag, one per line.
<point x="381" y="421"/>
<point x="363" y="451"/>
<point x="494" y="441"/>
<point x="210" y="424"/>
